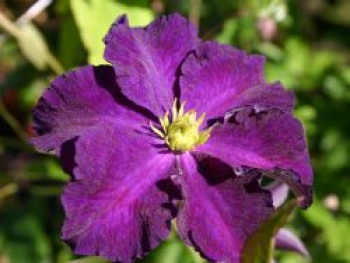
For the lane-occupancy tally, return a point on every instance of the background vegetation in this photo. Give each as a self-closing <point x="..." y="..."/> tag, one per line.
<point x="307" y="44"/>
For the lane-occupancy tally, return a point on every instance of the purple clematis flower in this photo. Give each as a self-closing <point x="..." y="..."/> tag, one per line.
<point x="175" y="127"/>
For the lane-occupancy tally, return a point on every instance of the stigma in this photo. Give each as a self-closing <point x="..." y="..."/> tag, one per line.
<point x="181" y="132"/>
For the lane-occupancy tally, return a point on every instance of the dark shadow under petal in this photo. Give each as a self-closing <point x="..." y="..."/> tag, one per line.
<point x="77" y="101"/>
<point x="271" y="141"/>
<point x="220" y="209"/>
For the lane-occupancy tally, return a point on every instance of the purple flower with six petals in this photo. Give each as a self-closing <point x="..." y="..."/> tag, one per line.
<point x="176" y="127"/>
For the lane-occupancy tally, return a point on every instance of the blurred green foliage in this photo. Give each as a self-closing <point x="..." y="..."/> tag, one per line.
<point x="103" y="13"/>
<point x="307" y="44"/>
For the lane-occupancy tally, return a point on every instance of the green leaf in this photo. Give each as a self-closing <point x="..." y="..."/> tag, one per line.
<point x="173" y="251"/>
<point x="94" y="17"/>
<point x="46" y="168"/>
<point x="259" y="247"/>
<point x="230" y="29"/>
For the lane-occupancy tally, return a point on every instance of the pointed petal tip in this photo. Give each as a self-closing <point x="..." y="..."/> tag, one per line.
<point x="123" y="19"/>
<point x="286" y="240"/>
<point x="146" y="59"/>
<point x="279" y="191"/>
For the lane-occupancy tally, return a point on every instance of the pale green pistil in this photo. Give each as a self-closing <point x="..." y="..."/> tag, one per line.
<point x="182" y="133"/>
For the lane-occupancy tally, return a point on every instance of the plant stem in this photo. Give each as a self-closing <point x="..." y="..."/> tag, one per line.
<point x="9" y="27"/>
<point x="13" y="123"/>
<point x="195" y="12"/>
<point x="14" y="30"/>
<point x="54" y="64"/>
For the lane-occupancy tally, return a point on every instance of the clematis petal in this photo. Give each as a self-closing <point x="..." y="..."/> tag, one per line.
<point x="264" y="97"/>
<point x="220" y="209"/>
<point x="272" y="141"/>
<point x="118" y="206"/>
<point x="286" y="240"/>
<point x="77" y="101"/>
<point x="146" y="60"/>
<point x="217" y="78"/>
<point x="279" y="191"/>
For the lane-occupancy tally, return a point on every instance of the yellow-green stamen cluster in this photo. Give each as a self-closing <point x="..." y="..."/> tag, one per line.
<point x="182" y="132"/>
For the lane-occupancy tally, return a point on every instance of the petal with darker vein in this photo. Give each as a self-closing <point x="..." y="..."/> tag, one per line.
<point x="146" y="60"/>
<point x="78" y="100"/>
<point x="116" y="206"/>
<point x="272" y="141"/>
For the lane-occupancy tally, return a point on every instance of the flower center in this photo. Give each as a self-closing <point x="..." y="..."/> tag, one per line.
<point x="182" y="132"/>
